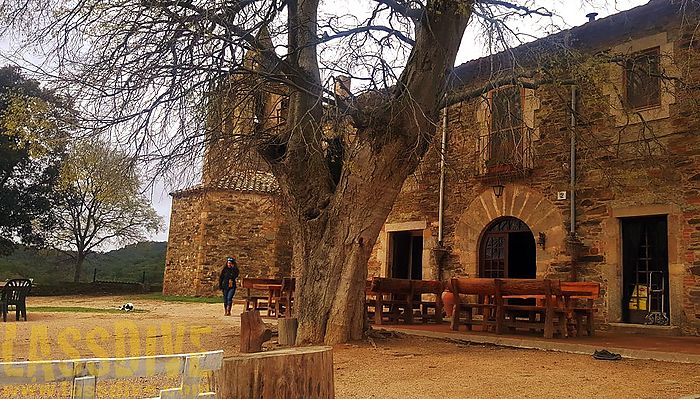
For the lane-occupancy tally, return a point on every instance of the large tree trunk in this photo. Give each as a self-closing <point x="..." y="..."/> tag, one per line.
<point x="336" y="221"/>
<point x="334" y="263"/>
<point x="78" y="272"/>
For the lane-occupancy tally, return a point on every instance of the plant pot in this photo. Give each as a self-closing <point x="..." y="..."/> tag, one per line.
<point x="448" y="301"/>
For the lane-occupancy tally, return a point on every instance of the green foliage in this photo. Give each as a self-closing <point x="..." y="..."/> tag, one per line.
<point x="102" y="202"/>
<point x="33" y="133"/>
<point x="125" y="264"/>
<point x="129" y="263"/>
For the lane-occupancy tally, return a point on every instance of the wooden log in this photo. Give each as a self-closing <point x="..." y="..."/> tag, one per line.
<point x="253" y="332"/>
<point x="287" y="331"/>
<point x="287" y="373"/>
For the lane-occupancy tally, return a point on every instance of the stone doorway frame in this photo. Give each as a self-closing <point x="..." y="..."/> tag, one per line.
<point x="430" y="271"/>
<point x="521" y="202"/>
<point x="612" y="248"/>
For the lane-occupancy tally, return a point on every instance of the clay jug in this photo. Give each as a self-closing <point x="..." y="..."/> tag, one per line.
<point x="448" y="301"/>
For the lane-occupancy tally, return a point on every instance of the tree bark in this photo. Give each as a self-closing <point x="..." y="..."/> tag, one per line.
<point x="254" y="332"/>
<point x="333" y="244"/>
<point x="286" y="373"/>
<point x="287" y="331"/>
<point x="78" y="267"/>
<point x="336" y="220"/>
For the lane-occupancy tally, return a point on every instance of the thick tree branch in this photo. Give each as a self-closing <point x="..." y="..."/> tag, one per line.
<point x="402" y="9"/>
<point x="361" y="29"/>
<point x="521" y="10"/>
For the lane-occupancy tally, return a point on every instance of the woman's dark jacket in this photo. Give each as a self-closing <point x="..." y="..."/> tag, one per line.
<point x="228" y="273"/>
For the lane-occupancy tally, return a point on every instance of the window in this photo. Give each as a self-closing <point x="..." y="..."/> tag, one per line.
<point x="642" y="80"/>
<point x="281" y="109"/>
<point x="506" y="128"/>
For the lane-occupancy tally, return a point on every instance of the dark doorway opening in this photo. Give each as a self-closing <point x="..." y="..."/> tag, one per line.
<point x="508" y="250"/>
<point x="407" y="254"/>
<point x="645" y="295"/>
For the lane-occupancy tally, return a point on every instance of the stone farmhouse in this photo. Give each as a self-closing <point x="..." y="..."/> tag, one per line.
<point x="576" y="156"/>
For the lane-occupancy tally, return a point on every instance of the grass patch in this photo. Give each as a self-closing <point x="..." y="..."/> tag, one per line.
<point x="172" y="298"/>
<point x="76" y="309"/>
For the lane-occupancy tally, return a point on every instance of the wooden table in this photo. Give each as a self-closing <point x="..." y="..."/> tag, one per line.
<point x="273" y="291"/>
<point x="556" y="315"/>
<point x="563" y="300"/>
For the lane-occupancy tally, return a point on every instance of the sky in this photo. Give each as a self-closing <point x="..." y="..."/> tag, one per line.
<point x="568" y="13"/>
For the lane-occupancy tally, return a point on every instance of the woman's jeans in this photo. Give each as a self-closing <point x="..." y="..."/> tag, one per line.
<point x="228" y="296"/>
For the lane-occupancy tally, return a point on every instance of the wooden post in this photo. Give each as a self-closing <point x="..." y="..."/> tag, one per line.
<point x="253" y="332"/>
<point x="457" y="307"/>
<point x="379" y="309"/>
<point x="500" y="311"/>
<point x="287" y="331"/>
<point x="549" y="312"/>
<point x="286" y="373"/>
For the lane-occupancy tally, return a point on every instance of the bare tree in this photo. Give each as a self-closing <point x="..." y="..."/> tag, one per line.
<point x="152" y="65"/>
<point x="101" y="203"/>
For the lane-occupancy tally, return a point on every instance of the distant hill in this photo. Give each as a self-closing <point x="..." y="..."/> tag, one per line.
<point x="124" y="264"/>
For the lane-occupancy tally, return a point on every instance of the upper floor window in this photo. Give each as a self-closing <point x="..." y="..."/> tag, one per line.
<point x="506" y="126"/>
<point x="281" y="109"/>
<point x="642" y="80"/>
<point x="505" y="141"/>
<point x="506" y="109"/>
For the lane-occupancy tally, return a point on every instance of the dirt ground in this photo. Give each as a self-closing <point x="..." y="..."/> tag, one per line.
<point x="402" y="368"/>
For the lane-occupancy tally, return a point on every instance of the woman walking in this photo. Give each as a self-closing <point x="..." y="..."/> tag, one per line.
<point x="227" y="283"/>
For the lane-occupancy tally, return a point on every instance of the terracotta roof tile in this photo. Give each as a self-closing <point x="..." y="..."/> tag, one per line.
<point x="248" y="181"/>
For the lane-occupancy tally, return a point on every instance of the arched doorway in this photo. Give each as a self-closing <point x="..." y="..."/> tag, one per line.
<point x="507" y="250"/>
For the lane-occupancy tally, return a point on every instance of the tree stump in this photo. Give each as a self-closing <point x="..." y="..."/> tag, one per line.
<point x="253" y="332"/>
<point x="287" y="331"/>
<point x="281" y="374"/>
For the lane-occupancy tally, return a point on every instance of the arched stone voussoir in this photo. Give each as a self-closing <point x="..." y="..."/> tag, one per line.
<point x="522" y="202"/>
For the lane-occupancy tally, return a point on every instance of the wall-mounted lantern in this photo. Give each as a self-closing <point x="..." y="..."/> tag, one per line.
<point x="498" y="189"/>
<point x="541" y="240"/>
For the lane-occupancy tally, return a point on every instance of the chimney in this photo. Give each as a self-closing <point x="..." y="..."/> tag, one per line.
<point x="342" y="86"/>
<point x="591" y="16"/>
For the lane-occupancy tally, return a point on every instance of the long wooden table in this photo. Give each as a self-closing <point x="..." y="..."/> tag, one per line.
<point x="554" y="309"/>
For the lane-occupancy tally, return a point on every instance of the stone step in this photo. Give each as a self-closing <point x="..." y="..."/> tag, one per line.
<point x="659" y="331"/>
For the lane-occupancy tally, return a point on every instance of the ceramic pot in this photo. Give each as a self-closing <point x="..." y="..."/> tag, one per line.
<point x="448" y="301"/>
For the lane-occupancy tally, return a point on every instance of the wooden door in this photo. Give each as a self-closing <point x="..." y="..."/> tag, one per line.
<point x="494" y="255"/>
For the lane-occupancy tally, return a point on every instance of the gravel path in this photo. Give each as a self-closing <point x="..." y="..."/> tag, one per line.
<point x="401" y="368"/>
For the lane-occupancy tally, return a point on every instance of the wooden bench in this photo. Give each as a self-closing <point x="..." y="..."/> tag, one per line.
<point x="284" y="300"/>
<point x="401" y="297"/>
<point x="579" y="300"/>
<point x="257" y="298"/>
<point x="432" y="288"/>
<point x="482" y="292"/>
<point x="547" y="316"/>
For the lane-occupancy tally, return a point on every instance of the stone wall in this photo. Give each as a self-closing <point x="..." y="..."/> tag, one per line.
<point x="634" y="169"/>
<point x="182" y="260"/>
<point x="210" y="225"/>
